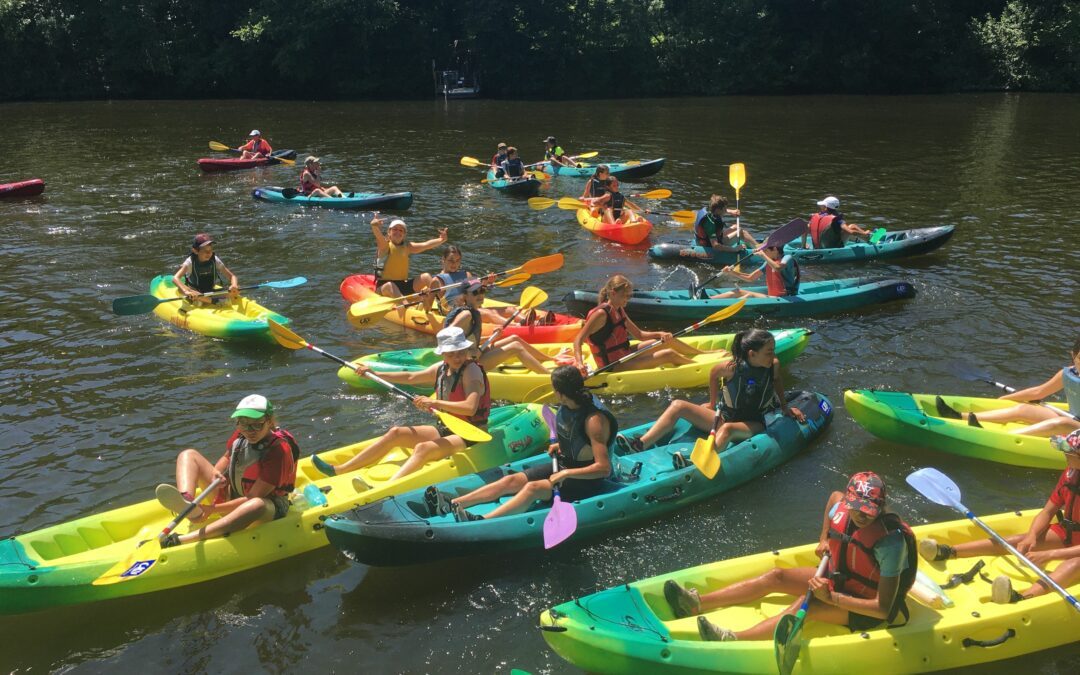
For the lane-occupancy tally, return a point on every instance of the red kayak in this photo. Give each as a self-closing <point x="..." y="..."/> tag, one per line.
<point x="26" y="188"/>
<point x="564" y="329"/>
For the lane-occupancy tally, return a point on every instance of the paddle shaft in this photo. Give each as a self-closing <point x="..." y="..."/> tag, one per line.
<point x="1011" y="390"/>
<point x="370" y="375"/>
<point x="190" y="507"/>
<point x="491" y="338"/>
<point x="654" y="345"/>
<point x="510" y="272"/>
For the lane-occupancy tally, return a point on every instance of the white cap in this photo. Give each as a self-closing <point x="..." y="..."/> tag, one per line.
<point x="255" y="406"/>
<point x="452" y="339"/>
<point x="254" y="132"/>
<point x="830" y="203"/>
<point x="396" y="223"/>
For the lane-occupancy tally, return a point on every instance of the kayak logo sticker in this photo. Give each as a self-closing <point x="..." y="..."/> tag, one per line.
<point x="825" y="407"/>
<point x="138" y="568"/>
<point x="520" y="444"/>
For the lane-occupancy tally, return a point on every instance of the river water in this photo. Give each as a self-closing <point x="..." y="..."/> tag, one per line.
<point x="95" y="406"/>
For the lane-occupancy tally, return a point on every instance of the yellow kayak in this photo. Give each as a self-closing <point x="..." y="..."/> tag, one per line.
<point x="242" y="319"/>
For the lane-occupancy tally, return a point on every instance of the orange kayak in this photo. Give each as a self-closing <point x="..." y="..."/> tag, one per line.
<point x="633" y="232"/>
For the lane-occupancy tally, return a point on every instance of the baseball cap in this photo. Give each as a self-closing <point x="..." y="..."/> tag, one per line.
<point x="866" y="493"/>
<point x="255" y="132"/>
<point x="1070" y="444"/>
<point x="201" y="239"/>
<point x="549" y="139"/>
<point x="254" y="406"/>
<point x="397" y="222"/>
<point x="830" y="203"/>
<point x="451" y="339"/>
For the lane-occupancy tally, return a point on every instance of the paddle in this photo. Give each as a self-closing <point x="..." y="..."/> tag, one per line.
<point x="940" y="489"/>
<point x="146" y="552"/>
<point x="221" y="147"/>
<point x="372" y="308"/>
<point x="877" y="235"/>
<point x="737" y="178"/>
<point x="542" y="393"/>
<point x="365" y="310"/>
<point x="704" y="455"/>
<point x="290" y="340"/>
<point x="780" y="237"/>
<point x="531" y="298"/>
<point x="474" y="163"/>
<point x="141" y="304"/>
<point x="968" y="372"/>
<point x="561" y="520"/>
<point x="785" y="636"/>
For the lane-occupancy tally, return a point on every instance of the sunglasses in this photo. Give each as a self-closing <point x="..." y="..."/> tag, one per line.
<point x="479" y="291"/>
<point x="251" y="426"/>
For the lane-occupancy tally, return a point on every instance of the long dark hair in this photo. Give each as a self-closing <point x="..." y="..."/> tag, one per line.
<point x="599" y="168"/>
<point x="749" y="340"/>
<point x="1076" y="347"/>
<point x="567" y="380"/>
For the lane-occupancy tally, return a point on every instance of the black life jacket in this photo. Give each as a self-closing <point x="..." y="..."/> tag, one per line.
<point x="573" y="438"/>
<point x="748" y="394"/>
<point x="475" y="325"/>
<point x="203" y="277"/>
<point x="616" y="204"/>
<point x="597" y="187"/>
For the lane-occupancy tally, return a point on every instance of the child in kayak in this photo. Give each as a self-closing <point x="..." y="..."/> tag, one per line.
<point x="710" y="230"/>
<point x="827" y="228"/>
<point x="608" y="330"/>
<point x="1044" y="541"/>
<point x="310" y="177"/>
<point x="513" y="167"/>
<point x="256" y="147"/>
<point x="742" y="389"/>
<point x="781" y="276"/>
<point x="616" y="207"/>
<point x="469" y="319"/>
<point x="259" y="468"/>
<point x="554" y="154"/>
<point x="871" y="568"/>
<point x="203" y="272"/>
<point x="596" y="186"/>
<point x="453" y="297"/>
<point x="1041" y="421"/>
<point x="461" y="389"/>
<point x="498" y="159"/>
<point x="581" y="442"/>
<point x="394" y="281"/>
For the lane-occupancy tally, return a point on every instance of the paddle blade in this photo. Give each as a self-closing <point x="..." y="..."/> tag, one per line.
<point x="286" y="283"/>
<point x="877" y="235"/>
<point x="786" y="233"/>
<point x="513" y="280"/>
<point x="684" y="217"/>
<point x="134" y="304"/>
<point x="542" y="265"/>
<point x="466" y="430"/>
<point x="368" y="310"/>
<point x="219" y="147"/>
<point x="532" y="297"/>
<point x="561" y="522"/>
<point x="937" y="487"/>
<point x="285" y="337"/>
<point x="662" y="193"/>
<point x="704" y="457"/>
<point x="737" y="175"/>
<point x="549" y="417"/>
<point x="587" y="155"/>
<point x="471" y="161"/>
<point x="134" y="564"/>
<point x="541" y="203"/>
<point x="786" y="643"/>
<point x="730" y="310"/>
<point x="541" y="394"/>
<point x="571" y="204"/>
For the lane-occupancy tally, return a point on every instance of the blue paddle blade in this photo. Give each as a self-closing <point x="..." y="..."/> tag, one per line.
<point x="286" y="283"/>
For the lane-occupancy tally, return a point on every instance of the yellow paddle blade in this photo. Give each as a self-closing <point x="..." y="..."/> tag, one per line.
<point x="541" y="394"/>
<point x="466" y="430"/>
<point x="685" y="217"/>
<point x="539" y="175"/>
<point x="287" y="162"/>
<point x="130" y="566"/>
<point x="514" y="280"/>
<point x="532" y="297"/>
<point x="724" y="313"/>
<point x="471" y="161"/>
<point x="704" y="457"/>
<point x="571" y="204"/>
<point x="220" y="147"/>
<point x="737" y="175"/>
<point x="541" y="203"/>
<point x="285" y="337"/>
<point x="587" y="155"/>
<point x="370" y="309"/>
<point x="541" y="265"/>
<point x="662" y="193"/>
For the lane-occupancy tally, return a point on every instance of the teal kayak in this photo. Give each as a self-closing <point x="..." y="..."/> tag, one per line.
<point x="402" y="531"/>
<point x="393" y="201"/>
<point x="519" y="187"/>
<point x="622" y="170"/>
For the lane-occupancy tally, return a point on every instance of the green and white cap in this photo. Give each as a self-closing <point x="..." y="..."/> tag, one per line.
<point x="254" y="406"/>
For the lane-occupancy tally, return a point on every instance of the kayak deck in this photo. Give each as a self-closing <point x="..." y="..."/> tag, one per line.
<point x="630" y="233"/>
<point x="242" y="319"/>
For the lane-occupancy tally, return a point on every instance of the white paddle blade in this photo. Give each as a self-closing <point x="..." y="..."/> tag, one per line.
<point x="936" y="486"/>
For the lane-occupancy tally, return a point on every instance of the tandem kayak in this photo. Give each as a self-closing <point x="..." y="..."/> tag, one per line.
<point x="512" y="381"/>
<point x="243" y="319"/>
<point x="633" y="232"/>
<point x="912" y="419"/>
<point x="393" y="201"/>
<point x="216" y="165"/>
<point x="625" y="171"/>
<point x="895" y="244"/>
<point x="25" y="188"/>
<point x="562" y="328"/>
<point x="57" y="565"/>
<point x="401" y="530"/>
<point x="815" y="297"/>
<point x="631" y="628"/>
<point x="519" y="187"/>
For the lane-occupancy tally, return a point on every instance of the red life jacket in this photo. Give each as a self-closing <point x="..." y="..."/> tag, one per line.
<point x="257" y="146"/>
<point x="457" y="392"/>
<point x="306" y="186"/>
<point x="251" y="473"/>
<point x="1069" y="517"/>
<point x="611" y="342"/>
<point x="778" y="284"/>
<point x="818" y="224"/>
<point x="854" y="570"/>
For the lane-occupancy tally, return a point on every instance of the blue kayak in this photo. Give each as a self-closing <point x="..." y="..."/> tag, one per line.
<point x="393" y="201"/>
<point x="402" y="530"/>
<point x="519" y="187"/>
<point x="626" y="171"/>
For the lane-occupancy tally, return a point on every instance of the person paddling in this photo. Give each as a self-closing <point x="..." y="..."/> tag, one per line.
<point x="743" y="388"/>
<point x="710" y="230"/>
<point x="827" y="228"/>
<point x="203" y="272"/>
<point x="512" y="166"/>
<point x="781" y="272"/>
<point x="596" y="186"/>
<point x="553" y="153"/>
<point x="871" y="568"/>
<point x="581" y="445"/>
<point x="469" y="319"/>
<point x="256" y="147"/>
<point x="259" y="468"/>
<point x="1045" y="540"/>
<point x="1040" y="420"/>
<point x="498" y="159"/>
<point x="608" y="330"/>
<point x="461" y="389"/>
<point x="310" y="180"/>
<point x="451" y="298"/>
<point x="394" y="281"/>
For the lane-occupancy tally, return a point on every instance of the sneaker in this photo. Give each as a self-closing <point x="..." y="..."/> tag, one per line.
<point x="973" y="421"/>
<point x="683" y="602"/>
<point x="438" y="503"/>
<point x="678" y="460"/>
<point x="628" y="446"/>
<point x="462" y="515"/>
<point x="170" y="540"/>
<point x="932" y="551"/>
<point x="175" y="501"/>
<point x="323" y="467"/>
<point x="943" y="409"/>
<point x="710" y="632"/>
<point x="1001" y="591"/>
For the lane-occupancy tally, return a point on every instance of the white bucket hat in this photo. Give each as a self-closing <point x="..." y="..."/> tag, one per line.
<point x="452" y="339"/>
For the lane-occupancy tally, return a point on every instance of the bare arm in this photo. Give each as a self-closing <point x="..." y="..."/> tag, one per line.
<point x="380" y="239"/>
<point x="178" y="279"/>
<point x="1038" y="393"/>
<point x="412" y="377"/>
<point x="473" y="382"/>
<point x="593" y="324"/>
<point x="778" y="388"/>
<point x="234" y="283"/>
<point x="722" y="370"/>
<point x="598" y="429"/>
<point x="430" y="243"/>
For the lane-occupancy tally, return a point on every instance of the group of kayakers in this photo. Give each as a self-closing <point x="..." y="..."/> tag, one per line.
<point x="507" y="163"/>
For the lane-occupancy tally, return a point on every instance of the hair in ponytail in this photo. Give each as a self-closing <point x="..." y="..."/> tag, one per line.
<point x="617" y="282"/>
<point x="599" y="168"/>
<point x="567" y="380"/>
<point x="746" y="341"/>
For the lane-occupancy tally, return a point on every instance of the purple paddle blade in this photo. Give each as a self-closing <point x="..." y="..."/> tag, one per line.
<point x="561" y="522"/>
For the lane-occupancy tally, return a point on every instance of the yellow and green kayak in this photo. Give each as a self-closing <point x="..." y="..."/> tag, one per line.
<point x="57" y="565"/>
<point x="632" y="629"/>
<point x="242" y="319"/>
<point x="912" y="419"/>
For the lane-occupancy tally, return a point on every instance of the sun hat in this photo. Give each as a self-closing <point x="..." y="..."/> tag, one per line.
<point x="830" y="203"/>
<point x="254" y="406"/>
<point x="866" y="493"/>
<point x="451" y="339"/>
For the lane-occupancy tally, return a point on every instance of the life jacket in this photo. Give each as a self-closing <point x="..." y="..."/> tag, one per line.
<point x="203" y="277"/>
<point x="1071" y="380"/>
<point x="238" y="446"/>
<point x="854" y="570"/>
<point x="616" y="204"/>
<point x="396" y="265"/>
<point x="498" y="158"/>
<point x="783" y="282"/>
<point x="748" y="393"/>
<point x="308" y="182"/>
<point x="456" y="392"/>
<point x="448" y="278"/>
<point x="515" y="168"/>
<point x="476" y="325"/>
<point x="257" y="146"/>
<point x="1069" y="516"/>
<point x="820" y="231"/>
<point x="597" y="188"/>
<point x="554" y="153"/>
<point x="612" y="341"/>
<point x="701" y="235"/>
<point x="572" y="436"/>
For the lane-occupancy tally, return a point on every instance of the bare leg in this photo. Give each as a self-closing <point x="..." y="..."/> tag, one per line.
<point x="817" y="611"/>
<point x="513" y="348"/>
<point x="537" y="489"/>
<point x="429" y="451"/>
<point x="1066" y="574"/>
<point x="792" y="581"/>
<point x="193" y="471"/>
<point x="1025" y="412"/>
<point x="973" y="549"/>
<point x="250" y="512"/>
<point x="735" y="431"/>
<point x="507" y="485"/>
<point x="738" y="293"/>
<point x="660" y="357"/>
<point x="1057" y="425"/>
<point x="698" y="415"/>
<point x="395" y="437"/>
<point x="420" y="283"/>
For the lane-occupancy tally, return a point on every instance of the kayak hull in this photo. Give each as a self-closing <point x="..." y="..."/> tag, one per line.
<point x="631" y="629"/>
<point x="896" y="244"/>
<point x="911" y="419"/>
<point x="522" y="187"/>
<point x="513" y="382"/>
<point x="814" y="298"/>
<point x="218" y="165"/>
<point x="361" y="286"/>
<point x="243" y="319"/>
<point x="25" y="188"/>
<point x="627" y="171"/>
<point x="56" y="565"/>
<point x="631" y="233"/>
<point x="393" y="201"/>
<point x="401" y="531"/>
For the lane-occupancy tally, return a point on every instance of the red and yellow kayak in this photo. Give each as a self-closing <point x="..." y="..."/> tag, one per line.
<point x="633" y="232"/>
